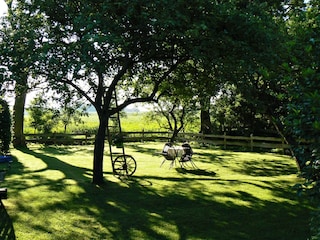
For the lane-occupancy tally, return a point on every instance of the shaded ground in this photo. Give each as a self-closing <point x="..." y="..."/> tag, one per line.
<point x="227" y="198"/>
<point x="6" y="227"/>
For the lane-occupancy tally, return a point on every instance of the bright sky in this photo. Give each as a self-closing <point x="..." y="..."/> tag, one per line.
<point x="3" y="7"/>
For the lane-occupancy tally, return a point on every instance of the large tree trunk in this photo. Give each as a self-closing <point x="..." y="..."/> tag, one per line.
<point x="18" y="120"/>
<point x="206" y="126"/>
<point x="205" y="121"/>
<point x="99" y="151"/>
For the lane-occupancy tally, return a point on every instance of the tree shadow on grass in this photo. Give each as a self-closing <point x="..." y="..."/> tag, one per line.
<point x="63" y="150"/>
<point x="199" y="172"/>
<point x="268" y="167"/>
<point x="251" y="167"/>
<point x="6" y="227"/>
<point x="141" y="149"/>
<point x="137" y="209"/>
<point x="204" y="218"/>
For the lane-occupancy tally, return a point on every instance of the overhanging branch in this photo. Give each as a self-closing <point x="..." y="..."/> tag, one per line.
<point x="78" y="89"/>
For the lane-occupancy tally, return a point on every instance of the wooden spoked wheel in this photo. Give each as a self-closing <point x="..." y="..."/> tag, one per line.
<point x="124" y="165"/>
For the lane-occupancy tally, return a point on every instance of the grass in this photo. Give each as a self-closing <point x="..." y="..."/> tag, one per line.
<point x="233" y="195"/>
<point x="130" y="122"/>
<point x="136" y="121"/>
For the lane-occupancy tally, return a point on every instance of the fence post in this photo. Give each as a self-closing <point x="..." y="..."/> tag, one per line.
<point x="225" y="140"/>
<point x="251" y="142"/>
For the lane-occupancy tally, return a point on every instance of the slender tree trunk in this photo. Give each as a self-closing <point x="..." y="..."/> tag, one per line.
<point x="177" y="128"/>
<point x="99" y="151"/>
<point x="18" y="120"/>
<point x="294" y="146"/>
<point x="174" y="135"/>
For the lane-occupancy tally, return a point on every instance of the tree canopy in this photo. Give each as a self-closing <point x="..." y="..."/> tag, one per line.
<point x="302" y="121"/>
<point x="92" y="48"/>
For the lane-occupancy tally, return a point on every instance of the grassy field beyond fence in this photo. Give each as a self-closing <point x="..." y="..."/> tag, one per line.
<point x="233" y="195"/>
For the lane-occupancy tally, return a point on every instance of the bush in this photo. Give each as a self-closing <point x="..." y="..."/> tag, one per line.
<point x="5" y="127"/>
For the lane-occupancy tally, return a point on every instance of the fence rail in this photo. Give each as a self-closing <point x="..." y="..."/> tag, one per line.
<point x="221" y="140"/>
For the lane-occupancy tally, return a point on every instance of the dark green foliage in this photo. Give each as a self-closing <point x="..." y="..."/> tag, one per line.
<point x="302" y="121"/>
<point x="43" y="117"/>
<point x="46" y="113"/>
<point x="5" y="127"/>
<point x="233" y="114"/>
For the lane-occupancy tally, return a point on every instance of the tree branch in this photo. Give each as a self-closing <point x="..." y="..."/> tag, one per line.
<point x="152" y="96"/>
<point x="79" y="90"/>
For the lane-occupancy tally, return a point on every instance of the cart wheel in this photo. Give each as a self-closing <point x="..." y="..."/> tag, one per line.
<point x="124" y="165"/>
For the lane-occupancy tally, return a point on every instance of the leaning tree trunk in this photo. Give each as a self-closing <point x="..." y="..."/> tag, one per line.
<point x="294" y="149"/>
<point x="99" y="151"/>
<point x="18" y="120"/>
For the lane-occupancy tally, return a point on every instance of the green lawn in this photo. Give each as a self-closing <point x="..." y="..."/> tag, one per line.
<point x="233" y="195"/>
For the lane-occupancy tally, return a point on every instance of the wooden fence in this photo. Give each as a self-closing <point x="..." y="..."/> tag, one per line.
<point x="250" y="142"/>
<point x="241" y="141"/>
<point x="61" y="138"/>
